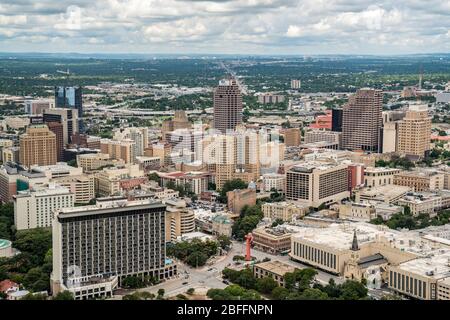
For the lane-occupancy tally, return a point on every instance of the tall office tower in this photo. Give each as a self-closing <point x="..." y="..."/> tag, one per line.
<point x="119" y="150"/>
<point x="227" y="105"/>
<point x="362" y="120"/>
<point x="67" y="117"/>
<point x="138" y="135"/>
<point x="38" y="146"/>
<point x="95" y="247"/>
<point x="70" y="97"/>
<point x="292" y="137"/>
<point x="58" y="129"/>
<point x="414" y="131"/>
<point x="336" y="120"/>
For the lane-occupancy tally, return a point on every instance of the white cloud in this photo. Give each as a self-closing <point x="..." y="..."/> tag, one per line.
<point x="241" y="26"/>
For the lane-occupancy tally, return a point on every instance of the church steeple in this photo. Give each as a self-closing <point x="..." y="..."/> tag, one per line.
<point x="355" y="246"/>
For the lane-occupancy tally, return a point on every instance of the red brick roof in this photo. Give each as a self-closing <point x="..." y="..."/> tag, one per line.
<point x="7" y="284"/>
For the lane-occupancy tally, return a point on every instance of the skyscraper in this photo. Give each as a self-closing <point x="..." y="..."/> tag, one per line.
<point x="336" y="120"/>
<point x="227" y="105"/>
<point x="58" y="129"/>
<point x="414" y="131"/>
<point x="38" y="146"/>
<point x="362" y="120"/>
<point x="70" y="97"/>
<point x="67" y="117"/>
<point x="94" y="247"/>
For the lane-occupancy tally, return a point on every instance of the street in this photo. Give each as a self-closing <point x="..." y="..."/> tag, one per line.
<point x="209" y="276"/>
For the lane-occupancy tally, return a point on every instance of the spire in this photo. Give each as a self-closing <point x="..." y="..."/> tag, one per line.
<point x="355" y="246"/>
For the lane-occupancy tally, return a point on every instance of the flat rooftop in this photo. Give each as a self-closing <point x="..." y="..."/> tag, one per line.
<point x="313" y="165"/>
<point x="276" y="267"/>
<point x="108" y="207"/>
<point x="419" y="173"/>
<point x="339" y="236"/>
<point x="389" y="191"/>
<point x="435" y="264"/>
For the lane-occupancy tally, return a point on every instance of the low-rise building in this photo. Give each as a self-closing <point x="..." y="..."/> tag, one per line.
<point x="387" y="194"/>
<point x="420" y="180"/>
<point x="96" y="161"/>
<point x="238" y="199"/>
<point x="357" y="211"/>
<point x="196" y="182"/>
<point x="273" y="269"/>
<point x="424" y="278"/>
<point x="379" y="176"/>
<point x="421" y="202"/>
<point x="285" y="211"/>
<point x="222" y="225"/>
<point x="272" y="240"/>
<point x="313" y="136"/>
<point x="108" y="181"/>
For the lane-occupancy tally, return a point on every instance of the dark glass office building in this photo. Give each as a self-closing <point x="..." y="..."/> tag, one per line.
<point x="70" y="97"/>
<point x="336" y="120"/>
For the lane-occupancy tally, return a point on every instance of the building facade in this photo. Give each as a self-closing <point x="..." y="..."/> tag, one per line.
<point x="227" y="105"/>
<point x="101" y="244"/>
<point x="38" y="146"/>
<point x="362" y="120"/>
<point x="35" y="208"/>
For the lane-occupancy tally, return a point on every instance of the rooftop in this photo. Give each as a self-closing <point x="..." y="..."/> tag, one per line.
<point x="340" y="236"/>
<point x="51" y="189"/>
<point x="108" y="206"/>
<point x="276" y="267"/>
<point x="435" y="264"/>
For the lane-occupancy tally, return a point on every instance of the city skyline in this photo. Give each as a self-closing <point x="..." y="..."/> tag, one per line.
<point x="230" y="27"/>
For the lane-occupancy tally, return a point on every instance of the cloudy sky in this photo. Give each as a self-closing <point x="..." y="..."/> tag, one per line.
<point x="226" y="26"/>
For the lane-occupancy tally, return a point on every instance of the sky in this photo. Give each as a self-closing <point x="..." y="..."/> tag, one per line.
<point x="226" y="26"/>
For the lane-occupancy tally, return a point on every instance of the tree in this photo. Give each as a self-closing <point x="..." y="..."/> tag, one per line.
<point x="277" y="222"/>
<point x="353" y="290"/>
<point x="154" y="177"/>
<point x="64" y="295"/>
<point x="230" y="186"/>
<point x="224" y="241"/>
<point x="34" y="241"/>
<point x="197" y="259"/>
<point x="391" y="297"/>
<point x="313" y="294"/>
<point x="132" y="282"/>
<point x="72" y="163"/>
<point x="190" y="291"/>
<point x="161" y="292"/>
<point x="181" y="296"/>
<point x="38" y="296"/>
<point x="266" y="285"/>
<point x="171" y="185"/>
<point x="280" y="293"/>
